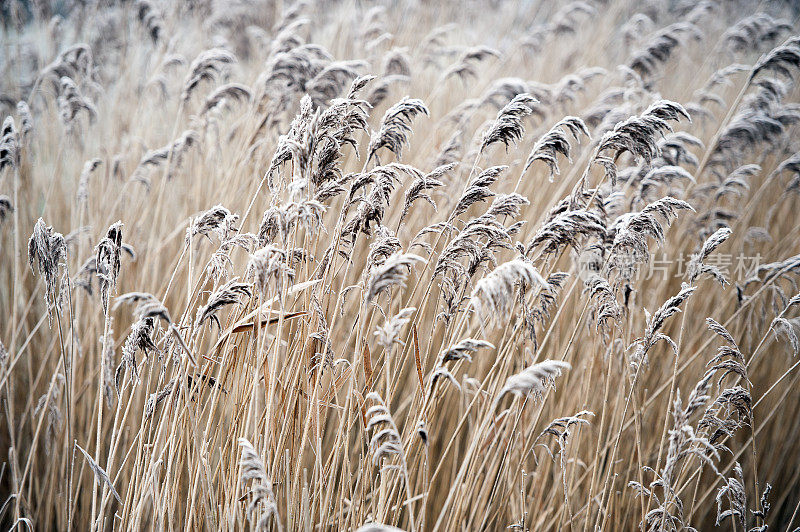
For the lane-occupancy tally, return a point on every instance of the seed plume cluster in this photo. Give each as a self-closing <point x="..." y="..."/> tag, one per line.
<point x="399" y="266"/>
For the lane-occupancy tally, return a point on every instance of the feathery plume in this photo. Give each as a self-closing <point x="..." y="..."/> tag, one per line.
<point x="381" y="88"/>
<point x="83" y="181"/>
<point x="754" y="30"/>
<point x="568" y="228"/>
<point x="157" y="398"/>
<point x="494" y="294"/>
<point x="478" y="189"/>
<point x="268" y="263"/>
<point x="107" y="261"/>
<point x="606" y="309"/>
<point x="387" y="335"/>
<point x="729" y="359"/>
<point x="697" y="265"/>
<point x="638" y="135"/>
<point x="534" y="380"/>
<point x="417" y="189"/>
<point x="9" y="144"/>
<point x="780" y="59"/>
<point x="734" y="491"/>
<point x="395" y="127"/>
<point x="208" y="65"/>
<point x="507" y="127"/>
<point x="630" y="231"/>
<point x="217" y="219"/>
<point x="781" y="326"/>
<point x="226" y="93"/>
<point x="151" y="19"/>
<point x="25" y="120"/>
<point x="228" y="294"/>
<point x="464" y="349"/>
<point x="556" y="141"/>
<point x="71" y="102"/>
<point x="48" y="250"/>
<point x="652" y="334"/>
<point x="507" y="205"/>
<point x="385" y="441"/>
<point x="392" y="272"/>
<point x="139" y="339"/>
<point x="465" y="66"/>
<point x="660" y="47"/>
<point x="263" y="505"/>
<point x="6" y="207"/>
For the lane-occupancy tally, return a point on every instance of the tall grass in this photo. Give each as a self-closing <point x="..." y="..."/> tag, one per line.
<point x="434" y="266"/>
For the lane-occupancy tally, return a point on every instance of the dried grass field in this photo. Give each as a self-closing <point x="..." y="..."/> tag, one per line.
<point x="399" y="264"/>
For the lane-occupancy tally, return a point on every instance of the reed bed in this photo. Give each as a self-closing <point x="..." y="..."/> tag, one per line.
<point x="399" y="265"/>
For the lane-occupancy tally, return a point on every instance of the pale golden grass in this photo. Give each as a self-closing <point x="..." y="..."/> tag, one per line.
<point x="236" y="313"/>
